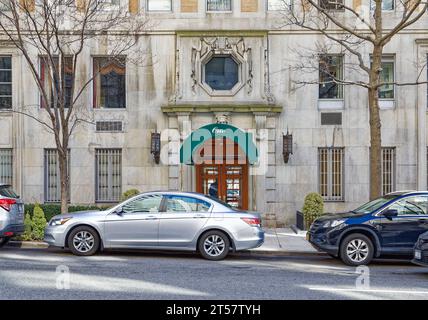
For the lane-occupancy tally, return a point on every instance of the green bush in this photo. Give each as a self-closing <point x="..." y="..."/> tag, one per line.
<point x="130" y="193"/>
<point x="38" y="223"/>
<point x="27" y="236"/>
<point x="313" y="208"/>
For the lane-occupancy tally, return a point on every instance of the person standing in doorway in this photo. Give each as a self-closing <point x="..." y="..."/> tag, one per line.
<point x="213" y="190"/>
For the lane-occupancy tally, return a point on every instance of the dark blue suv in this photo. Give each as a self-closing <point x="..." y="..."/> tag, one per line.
<point x="389" y="225"/>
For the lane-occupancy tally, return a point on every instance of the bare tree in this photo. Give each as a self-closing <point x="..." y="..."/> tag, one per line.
<point x="350" y="31"/>
<point x="54" y="33"/>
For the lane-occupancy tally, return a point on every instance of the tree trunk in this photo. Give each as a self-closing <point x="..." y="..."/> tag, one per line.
<point x="63" y="171"/>
<point x="375" y="125"/>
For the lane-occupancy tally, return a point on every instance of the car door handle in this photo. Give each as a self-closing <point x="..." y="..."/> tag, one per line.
<point x="151" y="218"/>
<point x="422" y="220"/>
<point x="199" y="215"/>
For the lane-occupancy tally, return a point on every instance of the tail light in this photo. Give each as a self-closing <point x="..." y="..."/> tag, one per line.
<point x="6" y="204"/>
<point x="254" y="222"/>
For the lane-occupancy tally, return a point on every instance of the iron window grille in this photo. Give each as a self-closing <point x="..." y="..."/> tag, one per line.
<point x="108" y="179"/>
<point x="219" y="5"/>
<point x="6" y="166"/>
<point x="331" y="173"/>
<point x="109" y="126"/>
<point x="52" y="176"/>
<point x="388" y="170"/>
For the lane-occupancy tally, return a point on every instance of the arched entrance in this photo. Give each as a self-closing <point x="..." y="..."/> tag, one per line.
<point x="222" y="171"/>
<point x="221" y="154"/>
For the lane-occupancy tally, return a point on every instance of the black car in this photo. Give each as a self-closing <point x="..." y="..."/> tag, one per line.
<point x="420" y="256"/>
<point x="389" y="225"/>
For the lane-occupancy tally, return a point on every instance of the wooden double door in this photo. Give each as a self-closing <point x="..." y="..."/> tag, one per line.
<point x="222" y="172"/>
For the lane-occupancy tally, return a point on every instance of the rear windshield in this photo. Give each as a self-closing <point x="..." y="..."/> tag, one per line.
<point x="7" y="191"/>
<point x="222" y="203"/>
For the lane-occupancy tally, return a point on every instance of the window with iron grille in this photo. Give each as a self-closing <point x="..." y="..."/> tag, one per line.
<point x="159" y="5"/>
<point x="331" y="173"/>
<point x="109" y="126"/>
<point x="108" y="180"/>
<point x="219" y="5"/>
<point x="6" y="166"/>
<point x="388" y="170"/>
<point x="5" y="82"/>
<point x="52" y="176"/>
<point x="336" y="5"/>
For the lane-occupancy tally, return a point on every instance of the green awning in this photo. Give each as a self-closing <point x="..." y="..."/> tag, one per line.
<point x="215" y="131"/>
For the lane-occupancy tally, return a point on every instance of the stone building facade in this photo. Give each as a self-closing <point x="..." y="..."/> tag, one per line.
<point x="226" y="63"/>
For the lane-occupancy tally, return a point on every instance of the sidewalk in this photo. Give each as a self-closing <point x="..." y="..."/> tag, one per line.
<point x="280" y="241"/>
<point x="285" y="241"/>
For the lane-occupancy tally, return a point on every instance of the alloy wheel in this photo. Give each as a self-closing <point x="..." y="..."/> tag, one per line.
<point x="214" y="245"/>
<point x="357" y="250"/>
<point x="83" y="241"/>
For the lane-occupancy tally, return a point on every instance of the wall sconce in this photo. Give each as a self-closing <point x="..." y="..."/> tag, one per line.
<point x="155" y="146"/>
<point x="287" y="146"/>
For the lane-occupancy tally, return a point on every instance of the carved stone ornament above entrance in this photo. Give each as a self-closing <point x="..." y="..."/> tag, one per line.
<point x="230" y="47"/>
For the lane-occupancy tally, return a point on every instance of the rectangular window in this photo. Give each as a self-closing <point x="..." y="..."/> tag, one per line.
<point x="109" y="82"/>
<point x="387" y="76"/>
<point x="336" y="5"/>
<point x="330" y="73"/>
<point x="108" y="4"/>
<point x="108" y="182"/>
<point x="6" y="166"/>
<point x="388" y="170"/>
<point x="387" y="5"/>
<point x="159" y="5"/>
<point x="52" y="176"/>
<point x="5" y="82"/>
<point x="219" y="5"/>
<point x="278" y="5"/>
<point x="331" y="118"/>
<point x="46" y="74"/>
<point x="109" y="126"/>
<point x="331" y="173"/>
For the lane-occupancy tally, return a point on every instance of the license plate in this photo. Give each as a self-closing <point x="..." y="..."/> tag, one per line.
<point x="418" y="254"/>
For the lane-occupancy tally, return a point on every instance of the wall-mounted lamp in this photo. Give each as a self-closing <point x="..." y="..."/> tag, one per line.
<point x="155" y="146"/>
<point x="287" y="146"/>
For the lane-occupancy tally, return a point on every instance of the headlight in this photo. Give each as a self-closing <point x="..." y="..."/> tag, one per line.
<point x="333" y="223"/>
<point x="58" y="222"/>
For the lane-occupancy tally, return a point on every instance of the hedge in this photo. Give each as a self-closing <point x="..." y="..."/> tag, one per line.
<point x="53" y="209"/>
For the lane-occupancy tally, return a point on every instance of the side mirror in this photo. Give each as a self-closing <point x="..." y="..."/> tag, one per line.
<point x="390" y="213"/>
<point x="119" y="211"/>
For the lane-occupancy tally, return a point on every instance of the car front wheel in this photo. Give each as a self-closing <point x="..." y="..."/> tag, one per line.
<point x="356" y="250"/>
<point x="214" y="245"/>
<point x="83" y="241"/>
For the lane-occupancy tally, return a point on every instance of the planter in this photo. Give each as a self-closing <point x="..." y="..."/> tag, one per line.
<point x="300" y="220"/>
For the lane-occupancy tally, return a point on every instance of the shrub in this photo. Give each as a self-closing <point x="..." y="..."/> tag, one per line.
<point x="313" y="208"/>
<point x="27" y="236"/>
<point x="130" y="193"/>
<point x="38" y="223"/>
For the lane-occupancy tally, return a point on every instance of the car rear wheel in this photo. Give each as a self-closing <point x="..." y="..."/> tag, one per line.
<point x="4" y="241"/>
<point x="83" y="241"/>
<point x="214" y="245"/>
<point x="356" y="250"/>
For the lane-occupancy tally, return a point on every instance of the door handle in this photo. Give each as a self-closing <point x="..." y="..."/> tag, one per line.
<point x="199" y="215"/>
<point x="151" y="218"/>
<point x="422" y="220"/>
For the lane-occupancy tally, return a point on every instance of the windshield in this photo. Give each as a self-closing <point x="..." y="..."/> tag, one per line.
<point x="7" y="191"/>
<point x="374" y="204"/>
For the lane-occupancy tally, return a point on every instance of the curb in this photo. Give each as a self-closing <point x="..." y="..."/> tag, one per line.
<point x="254" y="253"/>
<point x="280" y="253"/>
<point x="28" y="244"/>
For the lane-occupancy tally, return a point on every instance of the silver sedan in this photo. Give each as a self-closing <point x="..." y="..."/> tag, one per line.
<point x="159" y="220"/>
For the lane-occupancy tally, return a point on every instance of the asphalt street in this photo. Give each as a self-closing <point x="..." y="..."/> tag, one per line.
<point x="56" y="274"/>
